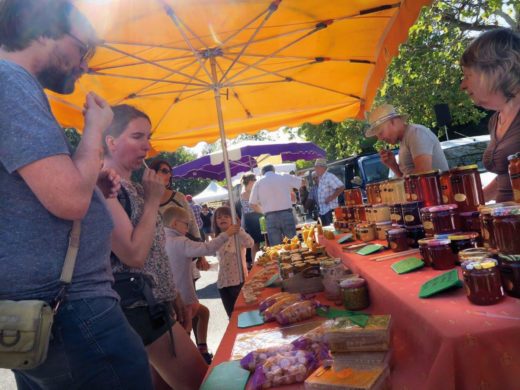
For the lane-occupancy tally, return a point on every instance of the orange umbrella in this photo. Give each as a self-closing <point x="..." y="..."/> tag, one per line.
<point x="268" y="63"/>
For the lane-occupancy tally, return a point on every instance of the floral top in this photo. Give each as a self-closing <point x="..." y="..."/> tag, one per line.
<point x="229" y="272"/>
<point x="156" y="265"/>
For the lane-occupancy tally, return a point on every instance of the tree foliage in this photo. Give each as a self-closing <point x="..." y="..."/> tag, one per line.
<point x="426" y="71"/>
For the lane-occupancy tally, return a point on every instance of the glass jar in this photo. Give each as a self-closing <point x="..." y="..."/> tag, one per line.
<point x="367" y="232"/>
<point x="395" y="191"/>
<point x="510" y="274"/>
<point x="350" y="213"/>
<point x="338" y="213"/>
<point x="461" y="241"/>
<point x="514" y="175"/>
<point x="506" y="226"/>
<point x="368" y="213"/>
<point x="383" y="193"/>
<point x="441" y="255"/>
<point x="397" y="239"/>
<point x="466" y="188"/>
<point x="332" y="272"/>
<point x="475" y="254"/>
<point x="382" y="228"/>
<point x="360" y="214"/>
<point x="440" y="219"/>
<point x="411" y="187"/>
<point x="353" y="197"/>
<point x="380" y="213"/>
<point x="447" y="194"/>
<point x="482" y="282"/>
<point x="470" y="222"/>
<point x="354" y="292"/>
<point x="486" y="222"/>
<point x="414" y="233"/>
<point x="410" y="212"/>
<point x="373" y="195"/>
<point x="423" y="250"/>
<point x="429" y="188"/>
<point x="396" y="213"/>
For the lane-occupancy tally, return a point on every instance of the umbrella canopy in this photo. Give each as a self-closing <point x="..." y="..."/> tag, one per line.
<point x="245" y="157"/>
<point x="273" y="63"/>
<point x="212" y="193"/>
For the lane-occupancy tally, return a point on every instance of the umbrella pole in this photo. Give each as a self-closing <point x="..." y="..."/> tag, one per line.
<point x="216" y="90"/>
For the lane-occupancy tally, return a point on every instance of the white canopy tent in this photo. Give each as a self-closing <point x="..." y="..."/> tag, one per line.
<point x="212" y="193"/>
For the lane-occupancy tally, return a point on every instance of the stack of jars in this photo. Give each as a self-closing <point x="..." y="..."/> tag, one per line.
<point x="514" y="175"/>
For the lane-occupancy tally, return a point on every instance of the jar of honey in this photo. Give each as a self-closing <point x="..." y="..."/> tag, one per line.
<point x="429" y="188"/>
<point x="380" y="213"/>
<point x="466" y="188"/>
<point x="415" y="233"/>
<point x="514" y="175"/>
<point x="423" y="250"/>
<point x="461" y="241"/>
<point x="486" y="223"/>
<point x="373" y="195"/>
<point x="396" y="213"/>
<point x="368" y="213"/>
<point x="360" y="213"/>
<point x="440" y="254"/>
<point x="382" y="228"/>
<point x="395" y="191"/>
<point x="353" y="196"/>
<point x="367" y="232"/>
<point x="506" y="226"/>
<point x="355" y="293"/>
<point x="482" y="282"/>
<point x="447" y="194"/>
<point x="411" y="187"/>
<point x="410" y="212"/>
<point x="440" y="219"/>
<point x="332" y="272"/>
<point x="397" y="239"/>
<point x="350" y="213"/>
<point x="510" y="274"/>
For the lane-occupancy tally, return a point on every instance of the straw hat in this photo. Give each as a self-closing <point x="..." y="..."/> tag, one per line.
<point x="378" y="116"/>
<point x="320" y="162"/>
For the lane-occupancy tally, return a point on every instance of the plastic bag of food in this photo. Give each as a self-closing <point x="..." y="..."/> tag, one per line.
<point x="258" y="357"/>
<point x="271" y="312"/>
<point x="271" y="300"/>
<point x="296" y="312"/>
<point x="284" y="369"/>
<point x="318" y="347"/>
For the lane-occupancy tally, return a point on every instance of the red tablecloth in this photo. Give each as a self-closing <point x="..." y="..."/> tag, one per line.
<point x="443" y="342"/>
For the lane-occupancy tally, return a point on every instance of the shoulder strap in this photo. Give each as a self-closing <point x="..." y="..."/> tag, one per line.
<point x="72" y="253"/>
<point x="124" y="199"/>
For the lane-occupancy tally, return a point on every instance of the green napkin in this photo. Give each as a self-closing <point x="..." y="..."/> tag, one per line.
<point x="440" y="283"/>
<point x="357" y="317"/>
<point x="369" y="249"/>
<point x="407" y="265"/>
<point x="272" y="280"/>
<point x="346" y="238"/>
<point x="250" y="318"/>
<point x="226" y="376"/>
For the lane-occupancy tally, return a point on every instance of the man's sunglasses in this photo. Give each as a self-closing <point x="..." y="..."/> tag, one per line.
<point x="86" y="51"/>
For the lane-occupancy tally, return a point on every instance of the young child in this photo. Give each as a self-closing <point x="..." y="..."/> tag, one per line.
<point x="181" y="251"/>
<point x="231" y="275"/>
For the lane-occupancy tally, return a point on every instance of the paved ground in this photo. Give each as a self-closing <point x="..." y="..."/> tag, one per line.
<point x="208" y="294"/>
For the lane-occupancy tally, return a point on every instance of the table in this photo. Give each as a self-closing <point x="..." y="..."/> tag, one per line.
<point x="443" y="342"/>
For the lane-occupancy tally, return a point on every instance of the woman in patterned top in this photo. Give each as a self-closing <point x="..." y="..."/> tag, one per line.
<point x="138" y="245"/>
<point x="491" y="67"/>
<point x="231" y="273"/>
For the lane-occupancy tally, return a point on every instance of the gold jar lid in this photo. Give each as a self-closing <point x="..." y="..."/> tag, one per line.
<point x="464" y="168"/>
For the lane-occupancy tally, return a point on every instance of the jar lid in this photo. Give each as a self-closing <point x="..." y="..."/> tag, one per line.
<point x="425" y="241"/>
<point x="513" y="156"/>
<point x="430" y="172"/>
<point x="352" y="282"/>
<point x="384" y="223"/>
<point x="438" y="242"/>
<point x="486" y="263"/>
<point x="463" y="236"/>
<point x="443" y="236"/>
<point x="444" y="207"/>
<point x="505" y="211"/>
<point x="392" y="232"/>
<point x="464" y="168"/>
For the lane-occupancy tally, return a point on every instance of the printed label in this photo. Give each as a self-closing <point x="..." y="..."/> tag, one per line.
<point x="395" y="217"/>
<point x="445" y="199"/>
<point x="409" y="218"/>
<point x="414" y="197"/>
<point x="428" y="225"/>
<point x="393" y="245"/>
<point x="459" y="197"/>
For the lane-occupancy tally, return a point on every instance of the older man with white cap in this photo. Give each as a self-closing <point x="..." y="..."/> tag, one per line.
<point x="419" y="148"/>
<point x="329" y="188"/>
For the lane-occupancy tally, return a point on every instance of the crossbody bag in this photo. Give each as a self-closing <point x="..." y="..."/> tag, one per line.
<point x="25" y="326"/>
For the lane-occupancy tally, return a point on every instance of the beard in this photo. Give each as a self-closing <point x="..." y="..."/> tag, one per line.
<point x="58" y="76"/>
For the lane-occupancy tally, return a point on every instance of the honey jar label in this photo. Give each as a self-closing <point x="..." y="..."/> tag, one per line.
<point x="445" y="199"/>
<point x="428" y="225"/>
<point x="393" y="245"/>
<point x="395" y="217"/>
<point x="459" y="197"/>
<point x="409" y="218"/>
<point x="414" y="197"/>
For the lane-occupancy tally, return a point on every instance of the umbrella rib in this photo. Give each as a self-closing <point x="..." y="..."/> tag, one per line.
<point x="245" y="26"/>
<point x="172" y="71"/>
<point x="237" y="97"/>
<point x="271" y="9"/>
<point x="178" y="23"/>
<point x="103" y="67"/>
<point x="150" y="94"/>
<point x="318" y="27"/>
<point x="149" y="79"/>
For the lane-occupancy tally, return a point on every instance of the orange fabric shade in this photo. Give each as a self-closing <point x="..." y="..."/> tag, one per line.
<point x="278" y="63"/>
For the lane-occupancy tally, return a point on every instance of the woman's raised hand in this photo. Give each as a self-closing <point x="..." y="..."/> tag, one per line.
<point x="153" y="186"/>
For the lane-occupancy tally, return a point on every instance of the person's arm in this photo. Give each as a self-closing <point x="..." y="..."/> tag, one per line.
<point x="491" y="190"/>
<point x="64" y="185"/>
<point x="198" y="249"/>
<point x="245" y="239"/>
<point x="422" y="163"/>
<point x="388" y="158"/>
<point x="132" y="244"/>
<point x="337" y="192"/>
<point x="254" y="200"/>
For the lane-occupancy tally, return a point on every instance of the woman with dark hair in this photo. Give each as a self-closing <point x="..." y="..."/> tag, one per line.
<point x="138" y="245"/>
<point x="250" y="215"/>
<point x="491" y="67"/>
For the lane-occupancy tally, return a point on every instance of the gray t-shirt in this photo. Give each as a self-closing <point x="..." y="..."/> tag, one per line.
<point x="418" y="140"/>
<point x="33" y="241"/>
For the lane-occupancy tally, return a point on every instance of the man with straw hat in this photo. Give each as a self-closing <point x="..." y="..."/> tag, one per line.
<point x="419" y="148"/>
<point x="329" y="188"/>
